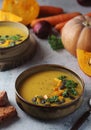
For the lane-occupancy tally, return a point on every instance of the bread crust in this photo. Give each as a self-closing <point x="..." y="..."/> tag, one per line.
<point x="3" y="98"/>
<point x="7" y="111"/>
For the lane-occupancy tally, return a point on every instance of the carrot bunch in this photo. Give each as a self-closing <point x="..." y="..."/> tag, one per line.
<point x="46" y="10"/>
<point x="88" y="14"/>
<point x="55" y="16"/>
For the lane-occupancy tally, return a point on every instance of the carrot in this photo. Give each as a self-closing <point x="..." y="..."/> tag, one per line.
<point x="88" y="14"/>
<point x="53" y="20"/>
<point x="59" y="26"/>
<point x="49" y="10"/>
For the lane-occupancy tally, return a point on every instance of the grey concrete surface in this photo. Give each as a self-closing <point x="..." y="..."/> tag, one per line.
<point x="45" y="54"/>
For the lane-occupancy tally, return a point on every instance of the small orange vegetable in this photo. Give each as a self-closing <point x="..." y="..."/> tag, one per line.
<point x="53" y="20"/>
<point x="88" y="14"/>
<point x="8" y="16"/>
<point x="55" y="89"/>
<point x="27" y="9"/>
<point x="84" y="61"/>
<point x="58" y="82"/>
<point x="54" y="93"/>
<point x="59" y="26"/>
<point x="60" y="92"/>
<point x="49" y="10"/>
<point x="60" y="98"/>
<point x="57" y="93"/>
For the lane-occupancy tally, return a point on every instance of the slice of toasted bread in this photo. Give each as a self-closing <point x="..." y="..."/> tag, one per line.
<point x="3" y="99"/>
<point x="7" y="112"/>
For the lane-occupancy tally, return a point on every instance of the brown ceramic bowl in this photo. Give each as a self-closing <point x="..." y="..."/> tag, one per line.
<point x="13" y="56"/>
<point x="47" y="112"/>
<point x="9" y="52"/>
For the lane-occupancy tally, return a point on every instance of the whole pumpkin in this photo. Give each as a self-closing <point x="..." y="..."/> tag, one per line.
<point x="77" y="34"/>
<point x="76" y="38"/>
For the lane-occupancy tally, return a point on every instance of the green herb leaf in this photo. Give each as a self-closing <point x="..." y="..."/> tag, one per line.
<point x="73" y="91"/>
<point x="15" y="37"/>
<point x="70" y="84"/>
<point x="12" y="44"/>
<point x="2" y="38"/>
<point x="65" y="93"/>
<point x="53" y="99"/>
<point x="62" y="77"/>
<point x="55" y="42"/>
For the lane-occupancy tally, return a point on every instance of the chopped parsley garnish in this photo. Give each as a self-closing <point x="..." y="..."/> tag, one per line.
<point x="63" y="89"/>
<point x="53" y="99"/>
<point x="62" y="77"/>
<point x="70" y="86"/>
<point x="55" y="42"/>
<point x="6" y="40"/>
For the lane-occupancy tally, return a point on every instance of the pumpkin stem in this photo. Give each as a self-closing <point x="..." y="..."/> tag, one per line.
<point x="86" y="23"/>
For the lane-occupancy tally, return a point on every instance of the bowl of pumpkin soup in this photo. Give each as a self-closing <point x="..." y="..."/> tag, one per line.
<point x="17" y="45"/>
<point x="49" y="91"/>
<point x="14" y="39"/>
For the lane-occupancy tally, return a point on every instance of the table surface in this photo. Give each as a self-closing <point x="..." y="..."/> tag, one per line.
<point x="45" y="55"/>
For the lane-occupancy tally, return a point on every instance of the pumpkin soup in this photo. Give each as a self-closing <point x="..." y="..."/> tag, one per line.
<point x="50" y="88"/>
<point x="11" y="36"/>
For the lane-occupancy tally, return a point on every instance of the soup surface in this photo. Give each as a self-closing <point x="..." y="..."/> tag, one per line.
<point x="50" y="88"/>
<point x="11" y="36"/>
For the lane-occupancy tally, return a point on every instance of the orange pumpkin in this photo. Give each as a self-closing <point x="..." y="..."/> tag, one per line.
<point x="7" y="16"/>
<point x="76" y="38"/>
<point x="77" y="34"/>
<point x="84" y="60"/>
<point x="27" y="9"/>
